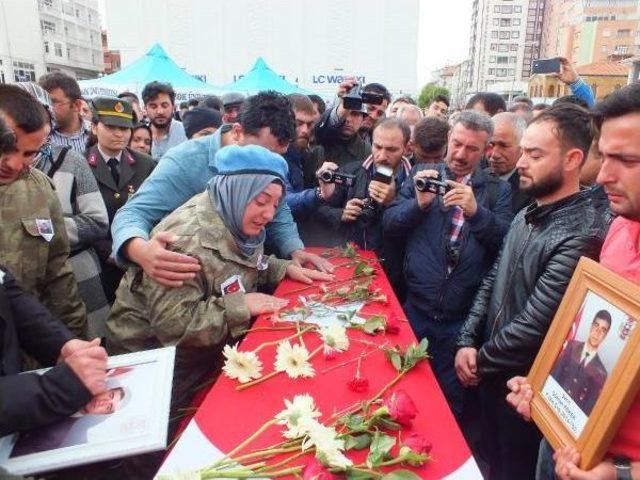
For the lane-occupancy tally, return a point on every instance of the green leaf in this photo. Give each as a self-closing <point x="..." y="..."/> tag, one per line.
<point x="381" y="445"/>
<point x="373" y="325"/>
<point x="357" y="442"/>
<point x="393" y="355"/>
<point x="355" y="423"/>
<point x="401" y="475"/>
<point x="388" y="424"/>
<point x="358" y="475"/>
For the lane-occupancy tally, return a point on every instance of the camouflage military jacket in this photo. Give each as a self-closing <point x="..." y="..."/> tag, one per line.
<point x="149" y="315"/>
<point x="34" y="247"/>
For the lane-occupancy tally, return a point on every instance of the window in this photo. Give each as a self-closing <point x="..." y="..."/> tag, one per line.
<point x="503" y="47"/>
<point x="511" y="72"/>
<point x="47" y="27"/>
<point x="77" y="13"/>
<point x="517" y="9"/>
<point x="505" y="22"/>
<point x="501" y="72"/>
<point x="24" y="72"/>
<point x="603" y="48"/>
<point x="46" y="46"/>
<point x="507" y="9"/>
<point x="68" y="52"/>
<point x="514" y="47"/>
<point x="503" y="59"/>
<point x="513" y="59"/>
<point x="624" y="33"/>
<point x="492" y="71"/>
<point x="622" y="49"/>
<point x="494" y="34"/>
<point x="496" y="22"/>
<point x="504" y="35"/>
<point x="58" y="49"/>
<point x="515" y="22"/>
<point x="496" y="9"/>
<point x="47" y="3"/>
<point x="515" y="34"/>
<point x="492" y="59"/>
<point x="494" y="47"/>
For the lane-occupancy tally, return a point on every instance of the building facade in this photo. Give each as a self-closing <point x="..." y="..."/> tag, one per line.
<point x="312" y="44"/>
<point x="591" y="31"/>
<point x="504" y="40"/>
<point x="62" y="35"/>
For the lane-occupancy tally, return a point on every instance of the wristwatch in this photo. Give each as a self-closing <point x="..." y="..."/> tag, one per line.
<point x="623" y="468"/>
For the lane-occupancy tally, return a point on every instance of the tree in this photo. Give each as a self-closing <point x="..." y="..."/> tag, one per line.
<point x="428" y="92"/>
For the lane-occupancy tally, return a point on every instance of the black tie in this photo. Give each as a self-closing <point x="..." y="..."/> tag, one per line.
<point x="113" y="166"/>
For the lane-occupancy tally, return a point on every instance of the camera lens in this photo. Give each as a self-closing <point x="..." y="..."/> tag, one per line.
<point x="421" y="184"/>
<point x="326" y="176"/>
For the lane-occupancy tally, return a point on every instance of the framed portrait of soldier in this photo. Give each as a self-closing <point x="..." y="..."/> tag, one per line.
<point x="129" y="418"/>
<point x="587" y="371"/>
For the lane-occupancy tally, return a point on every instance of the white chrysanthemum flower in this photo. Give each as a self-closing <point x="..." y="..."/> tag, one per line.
<point x="297" y="414"/>
<point x="327" y="444"/>
<point x="335" y="337"/>
<point x="293" y="360"/>
<point x="243" y="366"/>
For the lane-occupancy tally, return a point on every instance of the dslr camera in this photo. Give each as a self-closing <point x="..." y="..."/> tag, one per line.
<point x="339" y="178"/>
<point x="434" y="185"/>
<point x="356" y="97"/>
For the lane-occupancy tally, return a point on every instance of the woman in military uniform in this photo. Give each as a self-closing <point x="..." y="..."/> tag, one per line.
<point x="118" y="169"/>
<point x="224" y="228"/>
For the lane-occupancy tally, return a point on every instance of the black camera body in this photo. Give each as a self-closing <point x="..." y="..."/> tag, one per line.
<point x="339" y="178"/>
<point x="356" y="97"/>
<point x="433" y="185"/>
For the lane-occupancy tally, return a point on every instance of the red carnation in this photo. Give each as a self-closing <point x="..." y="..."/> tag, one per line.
<point x="393" y="326"/>
<point x="314" y="470"/>
<point x="359" y="384"/>
<point x="418" y="443"/>
<point x="401" y="408"/>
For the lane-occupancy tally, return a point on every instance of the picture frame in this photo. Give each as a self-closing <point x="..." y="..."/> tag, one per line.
<point x="131" y="418"/>
<point x="586" y="375"/>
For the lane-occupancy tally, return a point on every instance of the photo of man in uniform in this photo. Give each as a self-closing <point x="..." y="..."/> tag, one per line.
<point x="71" y="431"/>
<point x="579" y="370"/>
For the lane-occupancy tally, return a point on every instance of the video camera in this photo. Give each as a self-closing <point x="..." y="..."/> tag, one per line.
<point x="434" y="185"/>
<point x="339" y="178"/>
<point x="356" y="97"/>
<point x="384" y="175"/>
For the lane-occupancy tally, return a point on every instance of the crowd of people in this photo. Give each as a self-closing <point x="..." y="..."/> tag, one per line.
<point x="134" y="223"/>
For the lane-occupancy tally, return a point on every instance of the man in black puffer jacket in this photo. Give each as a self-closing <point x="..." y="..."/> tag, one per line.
<point x="519" y="297"/>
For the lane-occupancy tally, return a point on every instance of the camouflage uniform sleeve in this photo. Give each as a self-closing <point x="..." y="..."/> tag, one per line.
<point x="274" y="273"/>
<point x="60" y="292"/>
<point x="188" y="317"/>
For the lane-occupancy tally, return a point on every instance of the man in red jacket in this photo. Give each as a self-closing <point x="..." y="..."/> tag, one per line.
<point x="618" y="117"/>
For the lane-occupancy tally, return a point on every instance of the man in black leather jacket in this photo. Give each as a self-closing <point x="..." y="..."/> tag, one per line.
<point x="519" y="297"/>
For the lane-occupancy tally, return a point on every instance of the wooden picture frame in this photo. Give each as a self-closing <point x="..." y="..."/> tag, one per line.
<point x="590" y="426"/>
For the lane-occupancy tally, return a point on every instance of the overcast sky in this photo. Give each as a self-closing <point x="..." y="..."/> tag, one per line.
<point x="444" y="35"/>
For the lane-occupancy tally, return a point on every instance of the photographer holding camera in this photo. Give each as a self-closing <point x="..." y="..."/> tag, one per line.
<point x="453" y="217"/>
<point x="364" y="189"/>
<point x="338" y="131"/>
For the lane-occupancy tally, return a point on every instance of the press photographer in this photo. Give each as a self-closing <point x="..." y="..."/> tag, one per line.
<point x="453" y="217"/>
<point x="354" y="109"/>
<point x="364" y="189"/>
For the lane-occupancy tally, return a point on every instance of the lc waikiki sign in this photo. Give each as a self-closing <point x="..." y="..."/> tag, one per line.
<point x="334" y="79"/>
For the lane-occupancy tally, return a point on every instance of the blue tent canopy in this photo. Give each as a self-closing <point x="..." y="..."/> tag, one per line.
<point x="261" y="77"/>
<point x="154" y="65"/>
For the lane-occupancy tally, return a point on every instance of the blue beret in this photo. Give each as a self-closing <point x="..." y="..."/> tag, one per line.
<point x="235" y="160"/>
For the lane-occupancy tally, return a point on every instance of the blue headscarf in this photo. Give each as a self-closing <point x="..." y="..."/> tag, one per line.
<point x="242" y="173"/>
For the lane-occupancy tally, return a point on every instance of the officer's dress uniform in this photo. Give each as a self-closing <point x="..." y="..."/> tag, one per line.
<point x="118" y="179"/>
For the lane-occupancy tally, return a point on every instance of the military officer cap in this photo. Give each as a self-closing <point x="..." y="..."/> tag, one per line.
<point x="114" y="111"/>
<point x="232" y="98"/>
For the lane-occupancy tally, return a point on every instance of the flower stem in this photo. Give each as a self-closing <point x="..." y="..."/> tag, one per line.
<point x="288" y="459"/>
<point x="246" y="474"/>
<point x="276" y="342"/>
<point x="244" y="386"/>
<point x="255" y="435"/>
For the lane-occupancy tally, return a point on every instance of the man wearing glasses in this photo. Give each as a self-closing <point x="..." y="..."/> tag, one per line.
<point x="70" y="128"/>
<point x="33" y="240"/>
